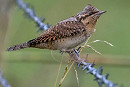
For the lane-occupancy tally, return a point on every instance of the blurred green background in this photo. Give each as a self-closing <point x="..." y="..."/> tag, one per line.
<point x="38" y="68"/>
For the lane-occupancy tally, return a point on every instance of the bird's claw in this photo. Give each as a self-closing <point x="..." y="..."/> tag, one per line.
<point x="61" y="52"/>
<point x="64" y="51"/>
<point x="77" y="51"/>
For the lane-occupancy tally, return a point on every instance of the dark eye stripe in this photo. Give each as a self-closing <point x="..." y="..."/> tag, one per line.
<point x="83" y="17"/>
<point x="90" y="13"/>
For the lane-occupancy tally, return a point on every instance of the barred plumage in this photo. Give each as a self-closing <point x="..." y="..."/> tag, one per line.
<point x="66" y="34"/>
<point x="18" y="47"/>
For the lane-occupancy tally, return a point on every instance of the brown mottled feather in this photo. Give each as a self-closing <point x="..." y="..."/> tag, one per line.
<point x="60" y="30"/>
<point x="66" y="34"/>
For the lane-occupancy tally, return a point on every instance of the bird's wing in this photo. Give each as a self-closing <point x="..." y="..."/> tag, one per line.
<point x="61" y="30"/>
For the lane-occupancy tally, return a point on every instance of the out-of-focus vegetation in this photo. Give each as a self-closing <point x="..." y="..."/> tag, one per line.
<point x="38" y="68"/>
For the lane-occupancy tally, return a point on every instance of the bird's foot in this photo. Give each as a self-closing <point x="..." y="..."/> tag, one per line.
<point x="77" y="51"/>
<point x="61" y="52"/>
<point x="64" y="51"/>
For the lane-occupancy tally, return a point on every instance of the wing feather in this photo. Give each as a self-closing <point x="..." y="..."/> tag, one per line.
<point x="60" y="30"/>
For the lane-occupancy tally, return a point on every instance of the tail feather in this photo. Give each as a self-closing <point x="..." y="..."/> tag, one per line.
<point x="18" y="47"/>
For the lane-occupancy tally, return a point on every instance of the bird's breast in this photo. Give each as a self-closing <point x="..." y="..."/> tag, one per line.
<point x="69" y="42"/>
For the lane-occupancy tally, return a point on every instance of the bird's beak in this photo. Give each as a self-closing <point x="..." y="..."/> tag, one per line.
<point x="101" y="12"/>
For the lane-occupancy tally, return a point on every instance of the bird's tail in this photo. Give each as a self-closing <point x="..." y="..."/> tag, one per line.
<point x="18" y="47"/>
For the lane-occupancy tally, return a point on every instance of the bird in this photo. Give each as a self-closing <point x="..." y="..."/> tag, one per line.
<point x="66" y="34"/>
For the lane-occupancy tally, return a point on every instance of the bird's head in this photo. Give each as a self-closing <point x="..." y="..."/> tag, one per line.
<point x="89" y="16"/>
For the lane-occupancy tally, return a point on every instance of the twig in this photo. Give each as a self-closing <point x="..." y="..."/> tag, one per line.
<point x="31" y="14"/>
<point x="67" y="69"/>
<point x="3" y="81"/>
<point x="76" y="74"/>
<point x="58" y="72"/>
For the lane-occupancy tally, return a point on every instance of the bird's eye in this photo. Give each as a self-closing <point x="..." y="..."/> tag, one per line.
<point x="90" y="13"/>
<point x="87" y="22"/>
